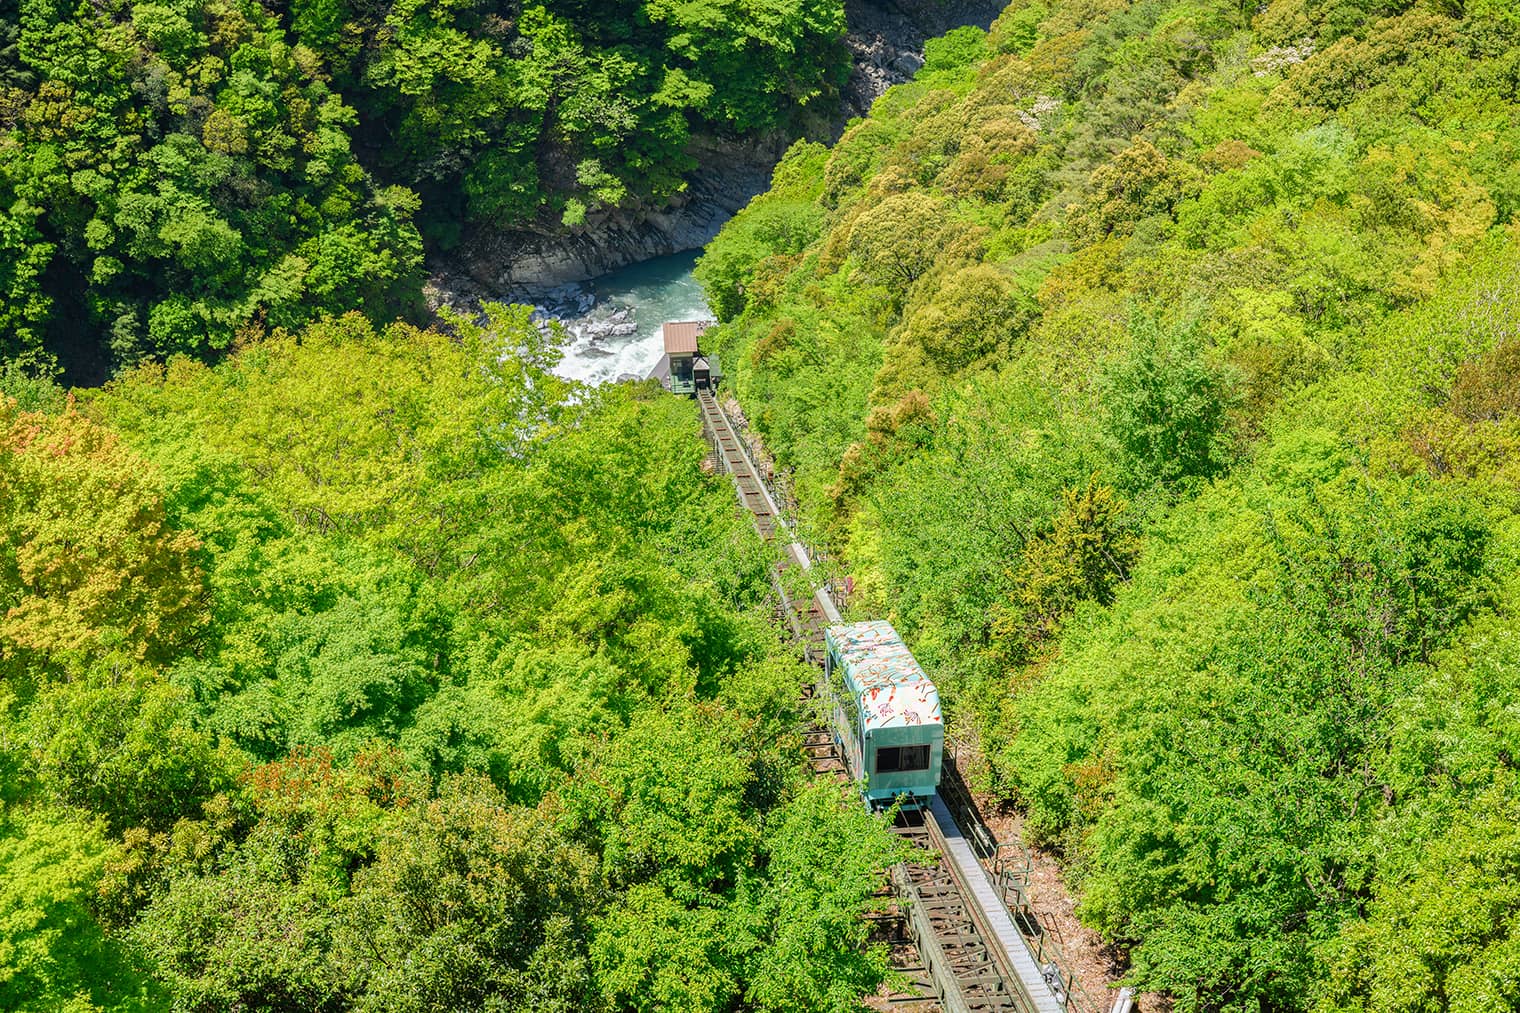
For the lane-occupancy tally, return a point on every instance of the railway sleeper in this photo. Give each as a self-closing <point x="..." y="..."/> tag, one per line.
<point x="931" y="897"/>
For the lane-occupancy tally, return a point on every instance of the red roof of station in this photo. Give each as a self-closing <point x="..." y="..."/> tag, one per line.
<point x="681" y="337"/>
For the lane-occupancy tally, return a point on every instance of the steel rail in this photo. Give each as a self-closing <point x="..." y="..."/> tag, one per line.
<point x="966" y="938"/>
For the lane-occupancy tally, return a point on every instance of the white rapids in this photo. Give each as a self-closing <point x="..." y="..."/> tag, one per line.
<point x="614" y="321"/>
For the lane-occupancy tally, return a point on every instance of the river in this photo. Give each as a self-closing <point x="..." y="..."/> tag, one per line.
<point x="609" y="343"/>
<point x="615" y="319"/>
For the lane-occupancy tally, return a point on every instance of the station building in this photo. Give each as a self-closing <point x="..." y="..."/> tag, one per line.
<point x="685" y="368"/>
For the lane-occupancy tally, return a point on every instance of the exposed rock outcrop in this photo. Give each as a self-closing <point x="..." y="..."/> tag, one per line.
<point x="528" y="266"/>
<point x="887" y="41"/>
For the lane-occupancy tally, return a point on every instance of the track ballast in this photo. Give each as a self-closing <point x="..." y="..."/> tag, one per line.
<point x="973" y="956"/>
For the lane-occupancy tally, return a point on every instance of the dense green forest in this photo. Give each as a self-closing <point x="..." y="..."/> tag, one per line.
<point x="378" y="669"/>
<point x="174" y="175"/>
<point x="1155" y="366"/>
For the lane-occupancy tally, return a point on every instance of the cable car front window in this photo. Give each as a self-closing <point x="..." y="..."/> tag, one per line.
<point x="901" y="759"/>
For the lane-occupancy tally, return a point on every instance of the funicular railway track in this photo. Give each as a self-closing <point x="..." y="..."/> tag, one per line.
<point x="971" y="955"/>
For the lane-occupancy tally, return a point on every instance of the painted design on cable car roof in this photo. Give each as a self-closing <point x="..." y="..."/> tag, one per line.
<point x="894" y="690"/>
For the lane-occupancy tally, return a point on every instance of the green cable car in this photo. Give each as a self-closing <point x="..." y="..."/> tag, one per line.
<point x="885" y="713"/>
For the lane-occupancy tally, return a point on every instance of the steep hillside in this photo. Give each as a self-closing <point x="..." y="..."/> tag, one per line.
<point x="174" y="175"/>
<point x="1153" y="365"/>
<point x="370" y="670"/>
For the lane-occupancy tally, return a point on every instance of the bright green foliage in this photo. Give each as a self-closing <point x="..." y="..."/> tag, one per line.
<point x="1253" y="815"/>
<point x="1152" y="367"/>
<point x="52" y="955"/>
<point x="175" y="172"/>
<point x="1166" y="409"/>
<point x="1138" y="183"/>
<point x="1083" y="557"/>
<point x="1441" y="931"/>
<point x="474" y="902"/>
<point x="345" y="429"/>
<point x="897" y="239"/>
<point x="24" y="256"/>
<point x="416" y="679"/>
<point x="806" y="915"/>
<point x="725" y="903"/>
<point x="255" y="933"/>
<point x="680" y="813"/>
<point x="126" y="749"/>
<point x="538" y="114"/>
<point x="89" y="564"/>
<point x="960" y="47"/>
<point x="793" y="938"/>
<point x="656" y="953"/>
<point x="1444" y="938"/>
<point x="32" y="389"/>
<point x="1487" y="389"/>
<point x="970" y="508"/>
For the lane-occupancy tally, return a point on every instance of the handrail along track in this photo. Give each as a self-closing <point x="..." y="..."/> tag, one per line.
<point x="977" y="952"/>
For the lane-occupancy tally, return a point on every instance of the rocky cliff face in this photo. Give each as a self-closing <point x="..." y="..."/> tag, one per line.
<point x="535" y="268"/>
<point x="887" y="41"/>
<point x="886" y="38"/>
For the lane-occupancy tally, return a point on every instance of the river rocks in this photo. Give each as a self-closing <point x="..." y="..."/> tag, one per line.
<point x="615" y="324"/>
<point x="567" y="300"/>
<point x="592" y="326"/>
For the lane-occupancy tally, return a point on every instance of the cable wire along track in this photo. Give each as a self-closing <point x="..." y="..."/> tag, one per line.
<point x="972" y="953"/>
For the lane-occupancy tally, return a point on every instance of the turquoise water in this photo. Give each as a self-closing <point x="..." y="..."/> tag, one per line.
<point x="656" y="291"/>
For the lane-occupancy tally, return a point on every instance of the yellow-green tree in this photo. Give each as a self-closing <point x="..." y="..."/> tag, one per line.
<point x="89" y="564"/>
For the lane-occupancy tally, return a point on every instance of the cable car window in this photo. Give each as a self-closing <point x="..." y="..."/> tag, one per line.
<point x="901" y="759"/>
